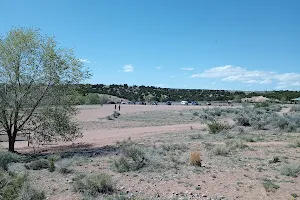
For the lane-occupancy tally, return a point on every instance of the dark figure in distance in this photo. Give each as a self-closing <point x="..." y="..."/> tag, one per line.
<point x="115" y="107"/>
<point x="119" y="107"/>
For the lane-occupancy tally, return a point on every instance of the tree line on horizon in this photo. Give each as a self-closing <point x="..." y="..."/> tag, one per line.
<point x="151" y="93"/>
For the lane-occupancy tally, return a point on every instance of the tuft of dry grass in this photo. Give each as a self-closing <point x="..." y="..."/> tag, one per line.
<point x="195" y="158"/>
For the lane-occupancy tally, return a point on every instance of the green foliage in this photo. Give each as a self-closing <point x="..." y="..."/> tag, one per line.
<point x="30" y="193"/>
<point x="6" y="158"/>
<point x="269" y="185"/>
<point x="38" y="164"/>
<point x="262" y="105"/>
<point x="93" y="185"/>
<point x="51" y="165"/>
<point x="38" y="77"/>
<point x="133" y="158"/>
<point x="235" y="144"/>
<point x="216" y="127"/>
<point x="221" y="150"/>
<point x="296" y="143"/>
<point x="11" y="185"/>
<point x="16" y="186"/>
<point x="63" y="166"/>
<point x="292" y="170"/>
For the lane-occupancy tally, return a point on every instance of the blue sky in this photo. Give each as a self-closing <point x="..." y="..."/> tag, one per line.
<point x="217" y="44"/>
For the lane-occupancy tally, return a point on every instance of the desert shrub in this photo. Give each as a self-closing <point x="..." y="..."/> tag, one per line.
<point x="292" y="170"/>
<point x="133" y="158"/>
<point x="195" y="114"/>
<point x="93" y="185"/>
<point x="242" y="120"/>
<point x="15" y="186"/>
<point x="216" y="127"/>
<point x="269" y="185"/>
<point x="235" y="144"/>
<point x="295" y="109"/>
<point x="221" y="150"/>
<point x="175" y="147"/>
<point x="275" y="108"/>
<point x="195" y="158"/>
<point x="252" y="138"/>
<point x="11" y="185"/>
<point x="51" y="165"/>
<point x="296" y="143"/>
<point x="38" y="164"/>
<point x="92" y="98"/>
<point x="30" y="193"/>
<point x="63" y="166"/>
<point x="196" y="136"/>
<point x="116" y="114"/>
<point x="6" y="158"/>
<point x="109" y="117"/>
<point x="262" y="105"/>
<point x="274" y="160"/>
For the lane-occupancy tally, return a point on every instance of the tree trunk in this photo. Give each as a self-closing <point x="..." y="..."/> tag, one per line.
<point x="11" y="144"/>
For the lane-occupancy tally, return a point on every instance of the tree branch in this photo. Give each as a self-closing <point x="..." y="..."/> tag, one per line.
<point x="34" y="107"/>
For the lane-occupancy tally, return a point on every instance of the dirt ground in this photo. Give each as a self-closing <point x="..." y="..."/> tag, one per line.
<point x="250" y="170"/>
<point x="100" y="132"/>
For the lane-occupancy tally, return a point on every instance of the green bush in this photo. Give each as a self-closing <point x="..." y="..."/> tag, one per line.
<point x="235" y="144"/>
<point x="216" y="127"/>
<point x="133" y="158"/>
<point x="93" y="185"/>
<point x="38" y="164"/>
<point x="16" y="186"/>
<point x="221" y="150"/>
<point x="30" y="193"/>
<point x="296" y="143"/>
<point x="295" y="109"/>
<point x="51" y="165"/>
<point x="11" y="185"/>
<point x="63" y="167"/>
<point x="269" y="185"/>
<point x="290" y="170"/>
<point x="6" y="158"/>
<point x="262" y="105"/>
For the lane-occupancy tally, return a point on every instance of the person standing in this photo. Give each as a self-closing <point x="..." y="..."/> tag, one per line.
<point x="115" y="106"/>
<point x="119" y="107"/>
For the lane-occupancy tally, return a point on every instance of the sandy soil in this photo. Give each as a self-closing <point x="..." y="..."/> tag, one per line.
<point x="100" y="137"/>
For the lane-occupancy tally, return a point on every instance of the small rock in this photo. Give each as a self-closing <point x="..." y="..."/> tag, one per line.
<point x="204" y="195"/>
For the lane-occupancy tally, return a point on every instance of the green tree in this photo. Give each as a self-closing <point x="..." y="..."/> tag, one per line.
<point x="37" y="78"/>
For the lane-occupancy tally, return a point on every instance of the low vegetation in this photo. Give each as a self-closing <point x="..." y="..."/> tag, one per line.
<point x="93" y="185"/>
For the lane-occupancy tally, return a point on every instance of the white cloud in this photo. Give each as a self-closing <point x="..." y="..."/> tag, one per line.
<point x="187" y="68"/>
<point x="84" y="60"/>
<point x="159" y="67"/>
<point x="172" y="76"/>
<point x="128" y="68"/>
<point x="231" y="73"/>
<point x="213" y="83"/>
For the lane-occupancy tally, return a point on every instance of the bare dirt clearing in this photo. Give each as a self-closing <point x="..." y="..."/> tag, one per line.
<point x="257" y="160"/>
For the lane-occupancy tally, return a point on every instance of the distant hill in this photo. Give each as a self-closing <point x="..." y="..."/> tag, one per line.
<point x="151" y="93"/>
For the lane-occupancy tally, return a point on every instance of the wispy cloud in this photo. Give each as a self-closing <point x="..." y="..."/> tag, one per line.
<point x="172" y="76"/>
<point x="84" y="60"/>
<point x="213" y="83"/>
<point x="231" y="73"/>
<point x="159" y="67"/>
<point x="128" y="68"/>
<point x="187" y="68"/>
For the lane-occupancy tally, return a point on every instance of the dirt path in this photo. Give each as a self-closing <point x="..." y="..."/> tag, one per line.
<point x="103" y="137"/>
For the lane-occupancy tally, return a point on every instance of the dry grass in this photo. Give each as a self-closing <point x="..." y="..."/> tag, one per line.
<point x="195" y="158"/>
